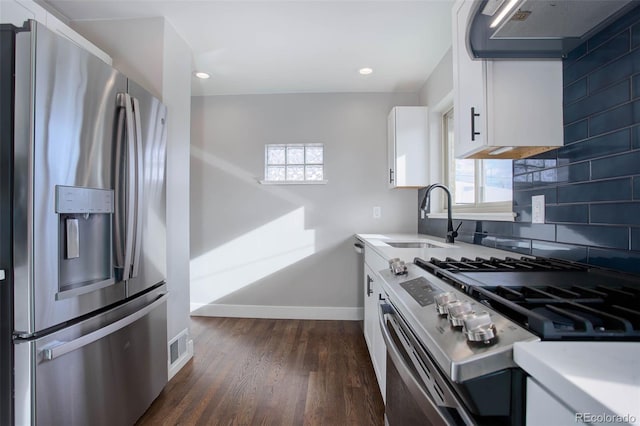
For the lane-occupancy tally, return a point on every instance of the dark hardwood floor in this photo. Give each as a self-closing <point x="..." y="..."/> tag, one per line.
<point x="272" y="372"/>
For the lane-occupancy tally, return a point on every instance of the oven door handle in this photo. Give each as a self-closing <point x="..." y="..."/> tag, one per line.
<point x="409" y="379"/>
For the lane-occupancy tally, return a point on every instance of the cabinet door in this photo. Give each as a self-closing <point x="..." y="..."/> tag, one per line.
<point x="468" y="86"/>
<point x="372" y="332"/>
<point x="408" y="144"/>
<point x="545" y="409"/>
<point x="391" y="148"/>
<point x="369" y="307"/>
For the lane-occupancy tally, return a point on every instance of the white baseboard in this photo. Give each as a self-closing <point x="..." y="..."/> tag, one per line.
<point x="278" y="312"/>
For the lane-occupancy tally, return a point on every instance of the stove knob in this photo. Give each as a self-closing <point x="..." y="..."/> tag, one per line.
<point x="458" y="311"/>
<point x="442" y="300"/>
<point x="397" y="266"/>
<point x="478" y="327"/>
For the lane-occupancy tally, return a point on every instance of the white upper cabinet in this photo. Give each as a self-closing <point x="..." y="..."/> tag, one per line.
<point x="16" y="12"/>
<point x="504" y="108"/>
<point x="407" y="128"/>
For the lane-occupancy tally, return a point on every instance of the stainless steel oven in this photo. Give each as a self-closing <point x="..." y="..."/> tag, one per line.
<point x="416" y="392"/>
<point x="447" y="366"/>
<point x="450" y="327"/>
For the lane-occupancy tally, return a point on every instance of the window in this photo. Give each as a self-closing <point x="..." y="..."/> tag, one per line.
<point x="476" y="185"/>
<point x="294" y="163"/>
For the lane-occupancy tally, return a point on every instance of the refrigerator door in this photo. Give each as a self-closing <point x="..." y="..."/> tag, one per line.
<point x="105" y="370"/>
<point x="149" y="251"/>
<point x="7" y="39"/>
<point x="64" y="203"/>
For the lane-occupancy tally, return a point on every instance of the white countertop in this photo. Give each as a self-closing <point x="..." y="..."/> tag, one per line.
<point x="378" y="242"/>
<point x="589" y="377"/>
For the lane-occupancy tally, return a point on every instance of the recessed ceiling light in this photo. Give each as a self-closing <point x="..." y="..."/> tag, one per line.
<point x="365" y="71"/>
<point x="202" y="75"/>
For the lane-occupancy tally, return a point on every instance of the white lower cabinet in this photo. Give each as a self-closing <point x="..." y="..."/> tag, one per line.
<point x="373" y="293"/>
<point x="544" y="409"/>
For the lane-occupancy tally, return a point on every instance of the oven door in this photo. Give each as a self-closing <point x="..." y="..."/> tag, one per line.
<point x="416" y="392"/>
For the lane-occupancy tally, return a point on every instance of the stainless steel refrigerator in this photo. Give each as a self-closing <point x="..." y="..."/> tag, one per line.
<point x="82" y="236"/>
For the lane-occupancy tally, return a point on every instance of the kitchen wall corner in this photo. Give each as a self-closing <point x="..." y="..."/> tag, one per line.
<point x="591" y="184"/>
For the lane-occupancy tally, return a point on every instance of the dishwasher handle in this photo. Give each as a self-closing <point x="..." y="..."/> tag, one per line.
<point x="57" y="349"/>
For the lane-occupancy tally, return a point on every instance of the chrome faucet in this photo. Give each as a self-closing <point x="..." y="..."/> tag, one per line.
<point x="451" y="234"/>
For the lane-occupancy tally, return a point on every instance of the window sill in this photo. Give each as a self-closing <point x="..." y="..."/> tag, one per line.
<point x="293" y="182"/>
<point x="499" y="217"/>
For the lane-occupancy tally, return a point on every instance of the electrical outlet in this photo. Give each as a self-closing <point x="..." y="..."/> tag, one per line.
<point x="537" y="209"/>
<point x="377" y="212"/>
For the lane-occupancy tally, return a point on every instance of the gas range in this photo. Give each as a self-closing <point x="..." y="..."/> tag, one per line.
<point x="462" y="318"/>
<point x="470" y="312"/>
<point x="554" y="299"/>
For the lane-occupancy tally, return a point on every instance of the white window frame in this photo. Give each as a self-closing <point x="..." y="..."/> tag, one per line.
<point x="266" y="181"/>
<point x="501" y="211"/>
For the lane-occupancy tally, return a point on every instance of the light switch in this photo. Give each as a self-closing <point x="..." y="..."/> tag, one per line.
<point x="537" y="209"/>
<point x="377" y="212"/>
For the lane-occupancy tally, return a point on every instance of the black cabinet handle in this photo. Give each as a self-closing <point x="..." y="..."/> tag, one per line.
<point x="390" y="175"/>
<point x="473" y="124"/>
<point x="369" y="281"/>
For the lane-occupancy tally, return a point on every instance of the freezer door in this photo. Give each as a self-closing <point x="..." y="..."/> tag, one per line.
<point x="106" y="370"/>
<point x="64" y="181"/>
<point x="149" y="251"/>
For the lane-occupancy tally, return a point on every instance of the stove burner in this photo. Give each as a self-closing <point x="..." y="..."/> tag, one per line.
<point x="500" y="265"/>
<point x="557" y="300"/>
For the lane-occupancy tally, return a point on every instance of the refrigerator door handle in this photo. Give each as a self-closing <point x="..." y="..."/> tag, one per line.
<point x="57" y="349"/>
<point x="139" y="188"/>
<point x="131" y="193"/>
<point x="118" y="219"/>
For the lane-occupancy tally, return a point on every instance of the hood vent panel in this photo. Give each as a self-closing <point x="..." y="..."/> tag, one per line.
<point x="542" y="28"/>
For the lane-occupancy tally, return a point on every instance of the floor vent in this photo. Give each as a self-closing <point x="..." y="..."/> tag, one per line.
<point x="178" y="346"/>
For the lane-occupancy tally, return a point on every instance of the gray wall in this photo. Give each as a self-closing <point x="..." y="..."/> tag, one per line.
<point x="282" y="250"/>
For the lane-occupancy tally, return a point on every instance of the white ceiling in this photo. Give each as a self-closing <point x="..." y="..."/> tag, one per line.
<point x="267" y="46"/>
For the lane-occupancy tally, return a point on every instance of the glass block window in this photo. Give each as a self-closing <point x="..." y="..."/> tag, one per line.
<point x="290" y="163"/>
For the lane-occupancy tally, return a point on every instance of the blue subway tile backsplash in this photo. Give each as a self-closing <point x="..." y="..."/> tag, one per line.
<point x="619" y="165"/>
<point x="599" y="56"/>
<point x="591" y="184"/>
<point x="615" y="71"/>
<point x="596" y="102"/>
<point x="616" y="214"/>
<point x="611" y="143"/>
<point x="606" y="190"/>
<point x="616" y="118"/>
<point x="599" y="236"/>
<point x="576" y="131"/>
<point x="568" y="213"/>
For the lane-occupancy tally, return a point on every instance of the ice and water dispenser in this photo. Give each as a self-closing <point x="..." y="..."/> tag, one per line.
<point x="84" y="239"/>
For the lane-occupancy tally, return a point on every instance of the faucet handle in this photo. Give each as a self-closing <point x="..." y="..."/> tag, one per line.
<point x="455" y="233"/>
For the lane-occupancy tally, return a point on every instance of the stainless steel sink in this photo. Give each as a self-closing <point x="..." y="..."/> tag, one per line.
<point x="416" y="244"/>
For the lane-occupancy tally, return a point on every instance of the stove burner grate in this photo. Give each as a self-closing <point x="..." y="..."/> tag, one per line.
<point x="562" y="310"/>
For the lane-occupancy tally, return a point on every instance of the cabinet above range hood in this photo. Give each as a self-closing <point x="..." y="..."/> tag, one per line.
<point x="538" y="28"/>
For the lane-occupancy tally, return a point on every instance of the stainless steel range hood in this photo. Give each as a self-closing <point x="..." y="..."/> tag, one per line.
<point x="539" y="28"/>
